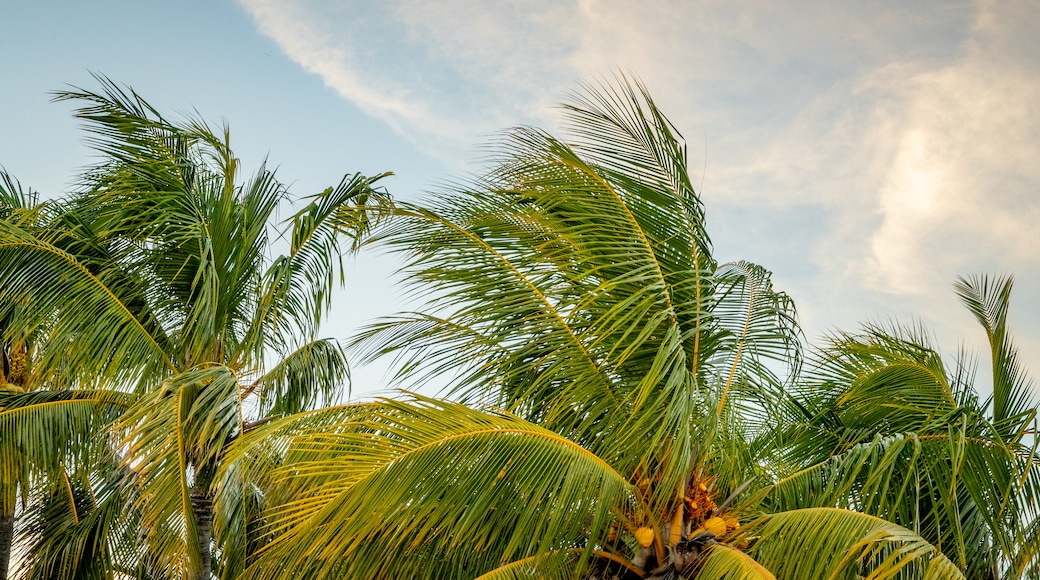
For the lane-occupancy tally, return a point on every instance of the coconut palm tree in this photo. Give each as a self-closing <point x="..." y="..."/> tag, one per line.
<point x="47" y="427"/>
<point x="164" y="283"/>
<point x="887" y="428"/>
<point x="15" y="203"/>
<point x="612" y="390"/>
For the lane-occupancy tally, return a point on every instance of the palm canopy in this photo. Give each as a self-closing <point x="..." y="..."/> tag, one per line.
<point x="885" y="427"/>
<point x="611" y="383"/>
<point x="157" y="278"/>
<point x="575" y="286"/>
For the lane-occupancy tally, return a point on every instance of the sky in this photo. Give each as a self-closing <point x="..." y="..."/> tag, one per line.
<point x="866" y="153"/>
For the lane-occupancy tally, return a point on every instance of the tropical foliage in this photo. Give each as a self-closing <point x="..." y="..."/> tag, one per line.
<point x="615" y="390"/>
<point x="888" y="429"/>
<point x="159" y="282"/>
<point x="50" y="432"/>
<point x="618" y="403"/>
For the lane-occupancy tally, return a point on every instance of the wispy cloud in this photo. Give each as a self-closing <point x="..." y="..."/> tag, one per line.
<point x="908" y="134"/>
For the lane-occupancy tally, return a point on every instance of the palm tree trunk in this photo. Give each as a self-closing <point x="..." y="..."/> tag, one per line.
<point x="202" y="508"/>
<point x="6" y="539"/>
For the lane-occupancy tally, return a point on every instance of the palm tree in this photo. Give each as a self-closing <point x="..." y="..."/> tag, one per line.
<point x="15" y="201"/>
<point x="48" y="428"/>
<point x="162" y="280"/>
<point x="888" y="429"/>
<point x="613" y="390"/>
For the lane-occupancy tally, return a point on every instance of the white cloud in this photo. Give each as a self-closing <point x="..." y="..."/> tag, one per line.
<point x="964" y="182"/>
<point x="312" y="42"/>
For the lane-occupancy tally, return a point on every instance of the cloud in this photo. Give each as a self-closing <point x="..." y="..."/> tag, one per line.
<point x="442" y="75"/>
<point x="875" y="151"/>
<point x="963" y="180"/>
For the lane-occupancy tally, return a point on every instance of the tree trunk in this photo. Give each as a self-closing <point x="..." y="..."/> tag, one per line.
<point x="202" y="508"/>
<point x="6" y="539"/>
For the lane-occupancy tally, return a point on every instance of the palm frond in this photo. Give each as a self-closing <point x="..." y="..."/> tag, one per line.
<point x="14" y="197"/>
<point x="844" y="544"/>
<point x="722" y="562"/>
<point x="1013" y="401"/>
<point x="78" y="526"/>
<point x="447" y="477"/>
<point x="557" y="565"/>
<point x="174" y="436"/>
<point x="758" y="330"/>
<point x="309" y="377"/>
<point x="44" y="429"/>
<point x="298" y="287"/>
<point x="54" y="289"/>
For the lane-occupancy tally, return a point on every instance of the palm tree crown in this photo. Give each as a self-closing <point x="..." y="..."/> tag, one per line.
<point x="159" y="279"/>
<point x="613" y="385"/>
<point x="885" y="427"/>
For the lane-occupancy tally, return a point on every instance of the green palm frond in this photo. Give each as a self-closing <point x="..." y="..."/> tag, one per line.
<point x="167" y="200"/>
<point x="914" y="481"/>
<point x="14" y="197"/>
<point x="759" y="333"/>
<point x="239" y="520"/>
<point x="421" y="487"/>
<point x="157" y="277"/>
<point x="844" y="544"/>
<point x="309" y="377"/>
<point x="52" y="514"/>
<point x="78" y="526"/>
<point x="886" y="428"/>
<point x="559" y="564"/>
<point x="57" y="291"/>
<point x="887" y="380"/>
<point x="1013" y="402"/>
<point x="298" y="286"/>
<point x="174" y="437"/>
<point x="722" y="562"/>
<point x="573" y="285"/>
<point x="43" y="429"/>
<point x="621" y="130"/>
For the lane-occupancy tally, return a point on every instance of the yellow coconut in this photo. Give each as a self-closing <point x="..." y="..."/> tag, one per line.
<point x="715" y="525"/>
<point x="645" y="536"/>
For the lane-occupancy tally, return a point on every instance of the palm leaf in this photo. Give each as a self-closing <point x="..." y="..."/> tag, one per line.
<point x="844" y="544"/>
<point x="174" y="435"/>
<point x="441" y="470"/>
<point x="307" y="378"/>
<point x="723" y="562"/>
<point x="1013" y="402"/>
<point x="43" y="429"/>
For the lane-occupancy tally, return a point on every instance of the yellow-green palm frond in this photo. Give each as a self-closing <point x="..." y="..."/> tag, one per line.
<point x="885" y="427"/>
<point x="427" y="489"/>
<point x="1013" y="401"/>
<point x="174" y="437"/>
<point x="843" y="544"/>
<point x="44" y="429"/>
<point x="723" y="562"/>
<point x="79" y="524"/>
<point x="311" y="376"/>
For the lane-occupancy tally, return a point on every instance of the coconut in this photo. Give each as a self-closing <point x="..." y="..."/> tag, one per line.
<point x="645" y="536"/>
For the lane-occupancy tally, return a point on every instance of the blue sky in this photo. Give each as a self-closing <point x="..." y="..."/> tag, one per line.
<point x="867" y="153"/>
